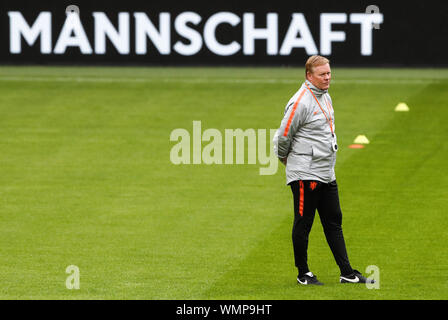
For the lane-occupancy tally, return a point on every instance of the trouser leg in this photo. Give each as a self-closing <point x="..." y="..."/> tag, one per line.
<point x="305" y="203"/>
<point x="331" y="217"/>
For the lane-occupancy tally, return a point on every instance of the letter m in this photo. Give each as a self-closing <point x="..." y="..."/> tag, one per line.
<point x="19" y="27"/>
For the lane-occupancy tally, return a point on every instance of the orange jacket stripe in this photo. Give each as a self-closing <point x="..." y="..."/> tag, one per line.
<point x="291" y="116"/>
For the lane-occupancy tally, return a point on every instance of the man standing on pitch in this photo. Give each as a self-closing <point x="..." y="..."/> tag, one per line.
<point x="306" y="144"/>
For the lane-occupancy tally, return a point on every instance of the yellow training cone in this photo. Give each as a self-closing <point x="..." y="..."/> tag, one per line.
<point x="402" y="107"/>
<point x="361" y="139"/>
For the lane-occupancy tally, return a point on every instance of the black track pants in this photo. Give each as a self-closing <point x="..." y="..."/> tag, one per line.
<point x="309" y="196"/>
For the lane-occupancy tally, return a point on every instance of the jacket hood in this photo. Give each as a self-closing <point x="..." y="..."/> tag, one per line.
<point x="318" y="92"/>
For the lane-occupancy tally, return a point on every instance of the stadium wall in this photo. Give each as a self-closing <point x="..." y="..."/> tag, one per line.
<point x="222" y="33"/>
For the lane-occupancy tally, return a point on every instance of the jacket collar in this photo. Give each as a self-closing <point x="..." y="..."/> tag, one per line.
<point x="318" y="92"/>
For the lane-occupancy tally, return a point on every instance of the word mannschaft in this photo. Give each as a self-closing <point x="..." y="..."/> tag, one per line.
<point x="137" y="33"/>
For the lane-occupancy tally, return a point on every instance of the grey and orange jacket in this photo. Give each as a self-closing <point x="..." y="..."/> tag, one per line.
<point x="305" y="137"/>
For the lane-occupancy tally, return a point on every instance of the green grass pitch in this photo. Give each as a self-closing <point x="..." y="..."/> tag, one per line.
<point x="86" y="180"/>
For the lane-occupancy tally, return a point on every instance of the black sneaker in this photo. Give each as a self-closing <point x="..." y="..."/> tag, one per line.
<point x="355" y="277"/>
<point x="309" y="278"/>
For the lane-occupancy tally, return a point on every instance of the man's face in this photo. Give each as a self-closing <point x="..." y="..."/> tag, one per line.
<point x="320" y="77"/>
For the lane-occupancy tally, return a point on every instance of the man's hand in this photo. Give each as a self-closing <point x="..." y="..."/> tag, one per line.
<point x="283" y="160"/>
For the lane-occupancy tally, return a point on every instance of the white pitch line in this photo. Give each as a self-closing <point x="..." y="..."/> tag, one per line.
<point x="142" y="80"/>
<point x="210" y="80"/>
